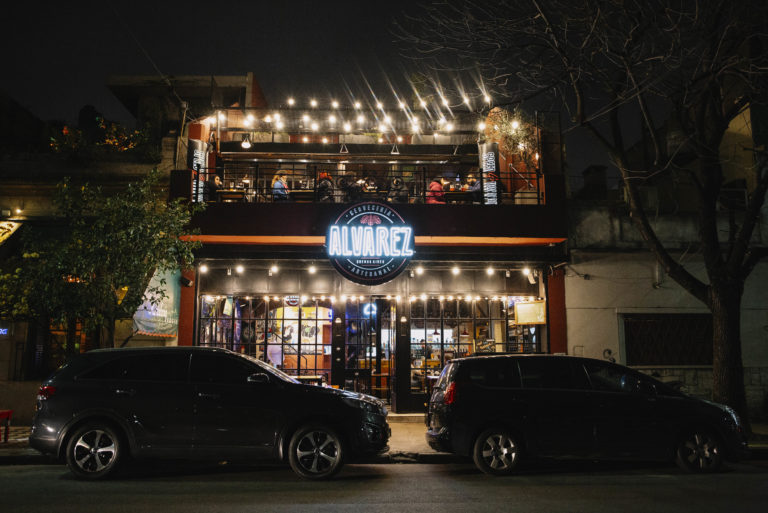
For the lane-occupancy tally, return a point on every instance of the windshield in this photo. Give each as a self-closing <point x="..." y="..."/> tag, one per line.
<point x="273" y="370"/>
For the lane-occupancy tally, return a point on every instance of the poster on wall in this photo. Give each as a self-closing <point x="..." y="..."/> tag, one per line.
<point x="531" y="312"/>
<point x="162" y="318"/>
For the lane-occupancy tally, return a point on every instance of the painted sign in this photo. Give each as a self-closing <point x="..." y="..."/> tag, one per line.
<point x="159" y="317"/>
<point x="369" y="243"/>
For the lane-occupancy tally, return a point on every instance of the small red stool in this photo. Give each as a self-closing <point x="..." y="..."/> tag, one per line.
<point x="6" y="414"/>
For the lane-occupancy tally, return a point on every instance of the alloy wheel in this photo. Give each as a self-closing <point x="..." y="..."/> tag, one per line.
<point x="317" y="451"/>
<point x="94" y="451"/>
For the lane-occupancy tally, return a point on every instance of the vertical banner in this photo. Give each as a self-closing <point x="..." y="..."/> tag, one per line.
<point x="489" y="163"/>
<point x="197" y="156"/>
<point x="161" y="319"/>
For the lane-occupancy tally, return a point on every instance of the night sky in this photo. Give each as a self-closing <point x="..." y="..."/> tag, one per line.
<point x="58" y="55"/>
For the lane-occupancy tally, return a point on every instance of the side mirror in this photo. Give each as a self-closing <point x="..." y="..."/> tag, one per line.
<point x="258" y="377"/>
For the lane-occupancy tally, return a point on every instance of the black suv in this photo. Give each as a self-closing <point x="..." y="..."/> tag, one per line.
<point x="195" y="402"/>
<point x="498" y="409"/>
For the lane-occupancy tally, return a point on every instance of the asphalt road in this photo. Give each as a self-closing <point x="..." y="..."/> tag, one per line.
<point x="547" y="487"/>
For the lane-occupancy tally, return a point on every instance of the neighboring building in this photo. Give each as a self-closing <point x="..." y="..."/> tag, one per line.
<point x="620" y="304"/>
<point x="369" y="317"/>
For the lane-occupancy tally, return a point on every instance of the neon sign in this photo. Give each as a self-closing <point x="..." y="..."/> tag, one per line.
<point x="369" y="243"/>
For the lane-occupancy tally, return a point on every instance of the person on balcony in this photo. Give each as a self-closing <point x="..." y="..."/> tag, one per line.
<point x="435" y="194"/>
<point x="398" y="191"/>
<point x="325" y="189"/>
<point x="280" y="187"/>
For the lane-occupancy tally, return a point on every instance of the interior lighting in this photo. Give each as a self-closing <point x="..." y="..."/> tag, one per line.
<point x="489" y="271"/>
<point x="347" y="127"/>
<point x="481" y="126"/>
<point x="313" y="103"/>
<point x="276" y="115"/>
<point x="266" y="298"/>
<point x="291" y="102"/>
<point x="399" y="138"/>
<point x="415" y="127"/>
<point x="333" y="299"/>
<point x="445" y="101"/>
<point x="450" y="298"/>
<point x="315" y="126"/>
<point x="239" y="269"/>
<point x="246" y="143"/>
<point x="361" y="119"/>
<point x="343" y="297"/>
<point x="379" y="105"/>
<point x="312" y="269"/>
<point x="423" y="104"/>
<point x="203" y="268"/>
<point x="361" y="298"/>
<point x="468" y="298"/>
<point x="526" y="271"/>
<point x="303" y="299"/>
<point x="222" y="117"/>
<point x="335" y="104"/>
<point x="455" y="270"/>
<point x="402" y="105"/>
<point x="248" y="122"/>
<point x="466" y="100"/>
<point x="382" y="128"/>
<point x="325" y="140"/>
<point x="268" y="119"/>
<point x="387" y="119"/>
<point x="441" y="121"/>
<point x="419" y="270"/>
<point x="389" y="296"/>
<point x="442" y="298"/>
<point x="280" y="125"/>
<point x="449" y="127"/>
<point x="398" y="298"/>
<point x="515" y="125"/>
<point x="477" y="298"/>
<point x="381" y="140"/>
<point x="331" y="119"/>
<point x="305" y="139"/>
<point x="358" y="105"/>
<point x="487" y="99"/>
<point x="305" y="118"/>
<point x="423" y="297"/>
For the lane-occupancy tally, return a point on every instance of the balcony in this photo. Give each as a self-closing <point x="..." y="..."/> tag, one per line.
<point x="434" y="179"/>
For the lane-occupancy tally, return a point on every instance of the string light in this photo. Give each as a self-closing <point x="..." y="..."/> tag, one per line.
<point x="291" y="102"/>
<point x="335" y="104"/>
<point x="313" y="103"/>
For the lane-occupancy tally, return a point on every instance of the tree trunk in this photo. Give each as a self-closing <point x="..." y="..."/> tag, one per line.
<point x="110" y="326"/>
<point x="727" y="366"/>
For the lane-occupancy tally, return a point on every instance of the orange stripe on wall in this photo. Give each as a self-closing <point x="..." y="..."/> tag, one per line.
<point x="424" y="240"/>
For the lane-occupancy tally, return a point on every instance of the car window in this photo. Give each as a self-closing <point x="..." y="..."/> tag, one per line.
<point x="143" y="367"/>
<point x="446" y="376"/>
<point x="552" y="373"/>
<point x="221" y="369"/>
<point x="497" y="372"/>
<point x="610" y="378"/>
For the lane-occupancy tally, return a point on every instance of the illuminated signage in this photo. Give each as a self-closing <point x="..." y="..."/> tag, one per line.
<point x="489" y="161"/>
<point x="369" y="309"/>
<point x="369" y="243"/>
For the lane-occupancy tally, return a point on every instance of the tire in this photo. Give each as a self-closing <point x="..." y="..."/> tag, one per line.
<point x="699" y="451"/>
<point x="496" y="452"/>
<point x="94" y="451"/>
<point x="315" y="452"/>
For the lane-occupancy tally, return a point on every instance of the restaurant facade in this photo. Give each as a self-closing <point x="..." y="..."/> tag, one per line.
<point x="329" y="251"/>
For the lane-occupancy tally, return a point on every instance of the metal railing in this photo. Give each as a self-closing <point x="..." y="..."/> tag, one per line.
<point x="267" y="182"/>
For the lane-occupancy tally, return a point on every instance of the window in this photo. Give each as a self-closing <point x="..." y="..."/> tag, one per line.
<point x="502" y="372"/>
<point x="149" y="367"/>
<point x="608" y="378"/>
<point x="668" y="339"/>
<point x="551" y="373"/>
<point x="220" y="369"/>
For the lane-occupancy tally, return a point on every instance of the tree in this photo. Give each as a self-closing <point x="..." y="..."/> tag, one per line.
<point x="615" y="65"/>
<point x="93" y="263"/>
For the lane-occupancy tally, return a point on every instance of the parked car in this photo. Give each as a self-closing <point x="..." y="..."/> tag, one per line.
<point x="501" y="409"/>
<point x="196" y="402"/>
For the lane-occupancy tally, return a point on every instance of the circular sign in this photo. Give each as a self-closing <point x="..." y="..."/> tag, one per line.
<point x="369" y="243"/>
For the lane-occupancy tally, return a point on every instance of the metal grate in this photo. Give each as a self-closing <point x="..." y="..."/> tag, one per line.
<point x="668" y="339"/>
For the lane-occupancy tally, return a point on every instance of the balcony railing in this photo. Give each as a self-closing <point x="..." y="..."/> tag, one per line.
<point x="256" y="182"/>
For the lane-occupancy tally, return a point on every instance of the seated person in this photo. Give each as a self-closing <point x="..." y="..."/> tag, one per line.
<point x="280" y="187"/>
<point x="211" y="186"/>
<point x="398" y="192"/>
<point x="325" y="188"/>
<point x="435" y="194"/>
<point x="475" y="190"/>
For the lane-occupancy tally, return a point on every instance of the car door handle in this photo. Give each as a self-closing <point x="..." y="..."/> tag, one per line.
<point x="123" y="391"/>
<point x="208" y="396"/>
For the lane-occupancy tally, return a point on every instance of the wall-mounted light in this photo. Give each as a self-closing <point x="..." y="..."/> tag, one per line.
<point x="239" y="269"/>
<point x="455" y="270"/>
<point x="489" y="271"/>
<point x="419" y="270"/>
<point x="312" y="269"/>
<point x="203" y="268"/>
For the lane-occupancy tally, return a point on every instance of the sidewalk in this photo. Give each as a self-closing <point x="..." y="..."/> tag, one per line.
<point x="407" y="444"/>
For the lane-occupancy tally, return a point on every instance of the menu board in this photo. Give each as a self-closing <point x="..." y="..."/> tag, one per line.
<point x="531" y="312"/>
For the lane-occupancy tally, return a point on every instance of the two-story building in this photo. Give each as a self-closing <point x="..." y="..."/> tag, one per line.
<point x="365" y="245"/>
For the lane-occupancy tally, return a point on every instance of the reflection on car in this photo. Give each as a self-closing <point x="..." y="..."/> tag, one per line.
<point x="196" y="402"/>
<point x="500" y="409"/>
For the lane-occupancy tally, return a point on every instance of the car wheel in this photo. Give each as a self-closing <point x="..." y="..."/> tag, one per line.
<point x="496" y="452"/>
<point x="699" y="451"/>
<point x="94" y="451"/>
<point x="315" y="452"/>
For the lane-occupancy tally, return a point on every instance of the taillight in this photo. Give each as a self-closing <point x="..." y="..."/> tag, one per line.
<point x="449" y="397"/>
<point x="45" y="392"/>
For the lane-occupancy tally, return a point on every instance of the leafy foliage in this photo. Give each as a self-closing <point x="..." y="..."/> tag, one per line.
<point x="94" y="264"/>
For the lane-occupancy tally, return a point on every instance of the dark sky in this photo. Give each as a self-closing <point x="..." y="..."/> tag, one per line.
<point x="58" y="54"/>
